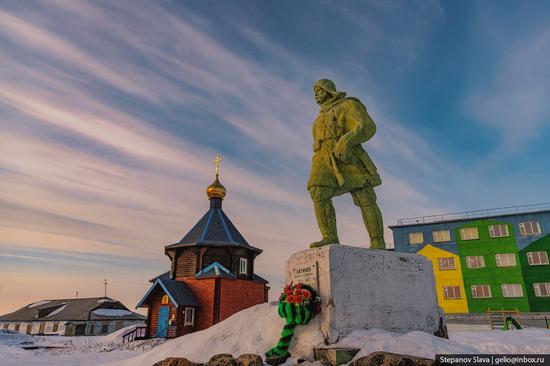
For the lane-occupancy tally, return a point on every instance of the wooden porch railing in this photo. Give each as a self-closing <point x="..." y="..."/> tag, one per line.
<point x="139" y="332"/>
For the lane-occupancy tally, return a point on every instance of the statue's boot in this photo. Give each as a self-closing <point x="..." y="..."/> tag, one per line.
<point x="326" y="219"/>
<point x="372" y="217"/>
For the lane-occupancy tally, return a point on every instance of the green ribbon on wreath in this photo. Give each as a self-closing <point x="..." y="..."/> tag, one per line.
<point x="297" y="305"/>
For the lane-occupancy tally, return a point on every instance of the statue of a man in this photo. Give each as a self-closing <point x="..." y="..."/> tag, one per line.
<point x="341" y="165"/>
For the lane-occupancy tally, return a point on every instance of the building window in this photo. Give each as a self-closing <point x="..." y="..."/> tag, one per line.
<point x="164" y="300"/>
<point x="529" y="228"/>
<point x="469" y="233"/>
<point x="505" y="260"/>
<point x="512" y="290"/>
<point x="451" y="293"/>
<point x="441" y="236"/>
<point x="475" y="261"/>
<point x="498" y="231"/>
<point x="481" y="291"/>
<point x="29" y="328"/>
<point x="55" y="327"/>
<point x="189" y="317"/>
<point x="243" y="266"/>
<point x="446" y="264"/>
<point x="6" y="325"/>
<point x="17" y="327"/>
<point x="537" y="258"/>
<point x="416" y="238"/>
<point x="542" y="289"/>
<point x="105" y="327"/>
<point x="92" y="328"/>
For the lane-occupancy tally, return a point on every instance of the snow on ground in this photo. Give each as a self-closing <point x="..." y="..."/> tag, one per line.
<point x="257" y="329"/>
<point x="82" y="350"/>
<point x="254" y="331"/>
<point x="531" y="340"/>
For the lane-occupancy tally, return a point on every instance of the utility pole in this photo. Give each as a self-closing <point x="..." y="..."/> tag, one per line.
<point x="77" y="294"/>
<point x="105" y="283"/>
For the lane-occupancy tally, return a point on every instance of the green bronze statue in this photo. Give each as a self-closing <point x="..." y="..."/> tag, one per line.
<point x="341" y="165"/>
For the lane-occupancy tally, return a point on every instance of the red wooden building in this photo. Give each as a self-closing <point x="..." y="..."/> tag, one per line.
<point x="211" y="276"/>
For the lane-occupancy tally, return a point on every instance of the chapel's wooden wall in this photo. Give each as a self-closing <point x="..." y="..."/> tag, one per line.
<point x="153" y="312"/>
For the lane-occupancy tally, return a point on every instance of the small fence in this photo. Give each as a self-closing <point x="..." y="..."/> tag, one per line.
<point x="497" y="318"/>
<point x="139" y="332"/>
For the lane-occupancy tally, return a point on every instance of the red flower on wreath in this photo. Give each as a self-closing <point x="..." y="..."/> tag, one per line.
<point x="296" y="295"/>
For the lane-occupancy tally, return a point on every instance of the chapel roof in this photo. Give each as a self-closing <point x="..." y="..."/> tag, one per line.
<point x="177" y="291"/>
<point x="214" y="228"/>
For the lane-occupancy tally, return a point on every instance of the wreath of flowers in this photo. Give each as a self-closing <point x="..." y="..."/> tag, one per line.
<point x="297" y="295"/>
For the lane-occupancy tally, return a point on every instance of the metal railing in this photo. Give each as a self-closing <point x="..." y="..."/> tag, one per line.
<point x="476" y="214"/>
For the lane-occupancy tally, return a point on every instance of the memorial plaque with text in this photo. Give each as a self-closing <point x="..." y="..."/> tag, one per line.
<point x="305" y="273"/>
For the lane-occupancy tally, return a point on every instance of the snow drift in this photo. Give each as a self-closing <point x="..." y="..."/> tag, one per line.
<point x="253" y="330"/>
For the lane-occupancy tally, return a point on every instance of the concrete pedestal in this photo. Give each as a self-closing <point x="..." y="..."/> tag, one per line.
<point x="363" y="288"/>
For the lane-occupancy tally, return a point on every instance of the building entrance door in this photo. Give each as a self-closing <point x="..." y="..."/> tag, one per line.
<point x="162" y="325"/>
<point x="80" y="329"/>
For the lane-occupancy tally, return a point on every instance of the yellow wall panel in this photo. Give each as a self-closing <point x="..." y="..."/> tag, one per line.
<point x="445" y="278"/>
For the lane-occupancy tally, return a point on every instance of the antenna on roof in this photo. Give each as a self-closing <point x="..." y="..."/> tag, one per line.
<point x="105" y="283"/>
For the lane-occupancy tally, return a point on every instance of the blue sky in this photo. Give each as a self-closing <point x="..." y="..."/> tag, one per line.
<point x="112" y="112"/>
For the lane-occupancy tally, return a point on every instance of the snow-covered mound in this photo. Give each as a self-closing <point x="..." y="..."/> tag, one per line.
<point x="253" y="330"/>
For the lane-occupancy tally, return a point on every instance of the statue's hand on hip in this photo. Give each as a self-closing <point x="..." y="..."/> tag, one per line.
<point x="341" y="150"/>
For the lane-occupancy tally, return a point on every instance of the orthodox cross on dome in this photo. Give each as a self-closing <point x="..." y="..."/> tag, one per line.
<point x="217" y="161"/>
<point x="216" y="189"/>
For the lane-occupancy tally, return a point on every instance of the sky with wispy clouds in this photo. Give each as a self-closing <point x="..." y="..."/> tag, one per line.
<point x="111" y="113"/>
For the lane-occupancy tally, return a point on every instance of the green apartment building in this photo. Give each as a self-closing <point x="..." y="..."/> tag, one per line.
<point x="490" y="266"/>
<point x="503" y="253"/>
<point x="536" y="273"/>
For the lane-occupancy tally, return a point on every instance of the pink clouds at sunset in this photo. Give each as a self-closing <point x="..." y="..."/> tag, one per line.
<point x="111" y="115"/>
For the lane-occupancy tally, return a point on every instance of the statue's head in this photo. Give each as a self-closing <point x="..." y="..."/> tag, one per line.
<point x="324" y="89"/>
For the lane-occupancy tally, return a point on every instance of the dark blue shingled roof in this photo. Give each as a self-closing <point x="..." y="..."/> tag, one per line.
<point x="214" y="228"/>
<point x="178" y="291"/>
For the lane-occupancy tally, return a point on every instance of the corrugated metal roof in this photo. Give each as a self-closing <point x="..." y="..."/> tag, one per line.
<point x="68" y="310"/>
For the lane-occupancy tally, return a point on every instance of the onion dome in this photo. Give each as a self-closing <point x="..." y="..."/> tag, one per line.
<point x="216" y="189"/>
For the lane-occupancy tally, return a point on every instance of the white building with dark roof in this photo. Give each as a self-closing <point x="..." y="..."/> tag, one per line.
<point x="87" y="316"/>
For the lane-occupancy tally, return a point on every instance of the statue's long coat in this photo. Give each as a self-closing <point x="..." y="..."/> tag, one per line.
<point x="344" y="118"/>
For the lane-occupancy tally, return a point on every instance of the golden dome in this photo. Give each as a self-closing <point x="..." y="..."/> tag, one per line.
<point x="216" y="190"/>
